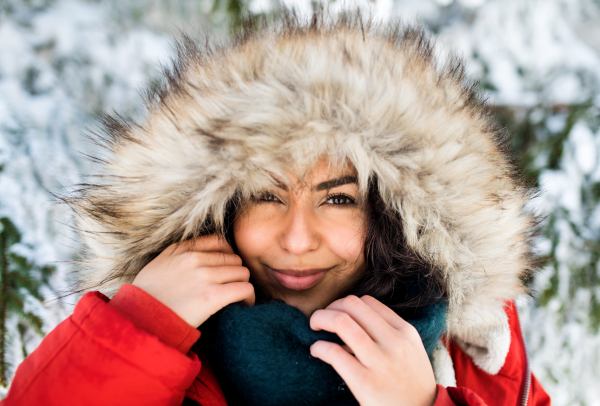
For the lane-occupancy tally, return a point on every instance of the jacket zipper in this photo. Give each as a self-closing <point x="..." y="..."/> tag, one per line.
<point x="527" y="382"/>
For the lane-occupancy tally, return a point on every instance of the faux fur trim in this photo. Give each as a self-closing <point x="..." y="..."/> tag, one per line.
<point x="486" y="344"/>
<point x="443" y="367"/>
<point x="280" y="98"/>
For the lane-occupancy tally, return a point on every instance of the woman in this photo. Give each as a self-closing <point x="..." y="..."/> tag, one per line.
<point x="335" y="179"/>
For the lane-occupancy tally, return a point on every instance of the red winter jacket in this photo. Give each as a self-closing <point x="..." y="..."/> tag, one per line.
<point x="133" y="350"/>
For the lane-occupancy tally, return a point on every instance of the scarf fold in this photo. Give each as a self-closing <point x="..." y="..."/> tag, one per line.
<point x="261" y="354"/>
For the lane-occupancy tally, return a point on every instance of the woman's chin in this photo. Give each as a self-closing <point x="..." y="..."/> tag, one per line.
<point x="305" y="306"/>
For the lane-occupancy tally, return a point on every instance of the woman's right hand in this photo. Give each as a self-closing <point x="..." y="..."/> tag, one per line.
<point x="197" y="278"/>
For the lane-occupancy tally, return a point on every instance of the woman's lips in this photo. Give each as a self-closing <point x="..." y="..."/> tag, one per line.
<point x="299" y="279"/>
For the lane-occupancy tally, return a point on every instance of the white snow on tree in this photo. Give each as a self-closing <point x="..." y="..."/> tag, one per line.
<point x="540" y="61"/>
<point x="60" y="62"/>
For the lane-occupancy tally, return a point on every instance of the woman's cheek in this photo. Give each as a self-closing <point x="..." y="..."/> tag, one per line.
<point x="245" y="234"/>
<point x="347" y="236"/>
<point x="253" y="235"/>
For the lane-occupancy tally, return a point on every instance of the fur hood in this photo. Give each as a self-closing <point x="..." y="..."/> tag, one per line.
<point x="280" y="97"/>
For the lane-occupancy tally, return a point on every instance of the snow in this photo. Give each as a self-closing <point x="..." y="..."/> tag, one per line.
<point x="525" y="45"/>
<point x="471" y="3"/>
<point x="259" y="6"/>
<point x="567" y="89"/>
<point x="583" y="148"/>
<point x="556" y="123"/>
<point x="559" y="187"/>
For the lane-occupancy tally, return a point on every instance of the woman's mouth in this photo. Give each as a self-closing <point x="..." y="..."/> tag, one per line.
<point x="299" y="279"/>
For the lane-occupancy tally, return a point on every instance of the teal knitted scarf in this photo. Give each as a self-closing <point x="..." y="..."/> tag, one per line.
<point x="261" y="354"/>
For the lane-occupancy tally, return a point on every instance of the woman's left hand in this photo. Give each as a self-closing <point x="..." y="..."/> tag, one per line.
<point x="389" y="366"/>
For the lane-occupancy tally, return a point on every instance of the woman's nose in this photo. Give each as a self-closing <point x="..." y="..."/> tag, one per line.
<point x="299" y="234"/>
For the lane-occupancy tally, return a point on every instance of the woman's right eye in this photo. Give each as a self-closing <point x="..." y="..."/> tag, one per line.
<point x="267" y="197"/>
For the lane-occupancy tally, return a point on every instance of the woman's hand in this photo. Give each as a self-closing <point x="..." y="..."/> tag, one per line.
<point x="389" y="366"/>
<point x="197" y="278"/>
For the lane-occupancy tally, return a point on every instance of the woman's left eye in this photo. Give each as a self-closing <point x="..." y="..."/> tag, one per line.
<point x="340" y="199"/>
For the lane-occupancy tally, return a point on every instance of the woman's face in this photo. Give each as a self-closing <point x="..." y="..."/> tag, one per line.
<point x="304" y="242"/>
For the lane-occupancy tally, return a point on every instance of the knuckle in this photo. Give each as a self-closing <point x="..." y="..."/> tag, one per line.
<point x="188" y="255"/>
<point x="361" y="337"/>
<point x="246" y="291"/>
<point x="316" y="318"/>
<point x="249" y="288"/>
<point x="330" y="350"/>
<point x="352" y="301"/>
<point x="184" y="259"/>
<point x="410" y="330"/>
<point x="199" y="259"/>
<point x="245" y="273"/>
<point x="336" y="350"/>
<point x="410" y="333"/>
<point x="218" y="258"/>
<point x="342" y="321"/>
<point x="368" y="298"/>
<point x="232" y="259"/>
<point x="395" y="336"/>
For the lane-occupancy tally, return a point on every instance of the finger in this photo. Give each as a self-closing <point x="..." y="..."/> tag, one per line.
<point x="372" y="322"/>
<point x="235" y="292"/>
<point x="353" y="335"/>
<point x="206" y="243"/>
<point x="212" y="242"/>
<point x="229" y="274"/>
<point x="208" y="259"/>
<point x="347" y="366"/>
<point x="386" y="313"/>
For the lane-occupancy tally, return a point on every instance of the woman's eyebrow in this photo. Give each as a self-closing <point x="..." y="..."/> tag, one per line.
<point x="330" y="184"/>
<point x="280" y="185"/>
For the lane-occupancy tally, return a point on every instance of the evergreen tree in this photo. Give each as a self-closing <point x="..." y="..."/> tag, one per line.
<point x="20" y="280"/>
<point x="558" y="143"/>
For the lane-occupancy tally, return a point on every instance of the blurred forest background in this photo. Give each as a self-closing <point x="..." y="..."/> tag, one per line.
<point x="64" y="61"/>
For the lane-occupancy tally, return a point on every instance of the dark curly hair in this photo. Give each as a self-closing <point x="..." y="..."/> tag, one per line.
<point x="396" y="275"/>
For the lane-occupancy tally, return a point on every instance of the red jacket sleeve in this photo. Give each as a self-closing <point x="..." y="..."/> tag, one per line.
<point x="99" y="356"/>
<point x="465" y="397"/>
<point x="152" y="316"/>
<point x="507" y="387"/>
